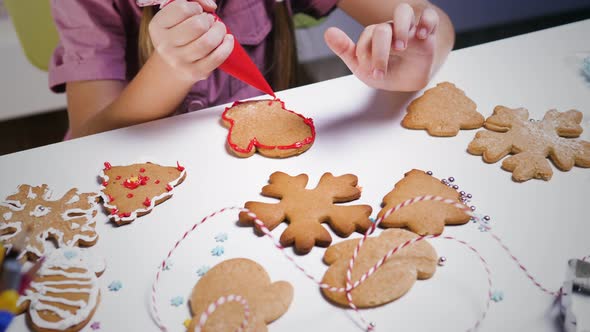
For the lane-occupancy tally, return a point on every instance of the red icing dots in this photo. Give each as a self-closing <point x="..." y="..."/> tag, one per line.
<point x="118" y="177"/>
<point x="104" y="184"/>
<point x="129" y="195"/>
<point x="107" y="165"/>
<point x="114" y="211"/>
<point x="111" y="198"/>
<point x="142" y="170"/>
<point x="147" y="202"/>
<point x="135" y="181"/>
<point x="169" y="187"/>
<point x="157" y="182"/>
<point x="180" y="168"/>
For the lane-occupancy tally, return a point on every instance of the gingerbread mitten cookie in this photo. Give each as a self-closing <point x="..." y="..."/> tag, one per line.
<point x="306" y="209"/>
<point x="443" y="111"/>
<point x="65" y="222"/>
<point x="532" y="142"/>
<point x="266" y="300"/>
<point x="427" y="217"/>
<point x="391" y="281"/>
<point x="268" y="127"/>
<point x="132" y="191"/>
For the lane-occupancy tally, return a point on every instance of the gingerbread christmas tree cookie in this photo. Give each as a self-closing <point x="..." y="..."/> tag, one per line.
<point x="443" y="111"/>
<point x="427" y="217"/>
<point x="234" y="280"/>
<point x="132" y="191"/>
<point x="305" y="209"/>
<point x="532" y="142"/>
<point x="65" y="222"/>
<point x="267" y="127"/>
<point x="65" y="293"/>
<point x="391" y="281"/>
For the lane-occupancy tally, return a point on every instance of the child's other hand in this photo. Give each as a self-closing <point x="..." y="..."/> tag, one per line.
<point x="189" y="40"/>
<point x="395" y="56"/>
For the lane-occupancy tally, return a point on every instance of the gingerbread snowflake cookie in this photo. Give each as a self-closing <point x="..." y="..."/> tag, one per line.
<point x="65" y="293"/>
<point x="267" y="127"/>
<point x="427" y="217"/>
<point x="391" y="281"/>
<point x="132" y="191"/>
<point x="235" y="279"/>
<point x="65" y="222"/>
<point x="531" y="142"/>
<point x="443" y="111"/>
<point x="306" y="209"/>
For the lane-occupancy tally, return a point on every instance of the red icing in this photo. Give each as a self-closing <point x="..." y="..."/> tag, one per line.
<point x="147" y="202"/>
<point x="129" y="195"/>
<point x="157" y="182"/>
<point x="141" y="170"/>
<point x="134" y="182"/>
<point x="111" y="198"/>
<point x="107" y="165"/>
<point x="118" y="177"/>
<point x="180" y="168"/>
<point x="254" y="141"/>
<point x="168" y="187"/>
<point x="104" y="184"/>
<point x="124" y="214"/>
<point x="114" y="211"/>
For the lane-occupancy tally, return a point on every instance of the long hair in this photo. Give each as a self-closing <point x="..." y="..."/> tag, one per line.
<point x="281" y="51"/>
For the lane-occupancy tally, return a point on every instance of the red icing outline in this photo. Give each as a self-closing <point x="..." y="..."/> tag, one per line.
<point x="254" y="141"/>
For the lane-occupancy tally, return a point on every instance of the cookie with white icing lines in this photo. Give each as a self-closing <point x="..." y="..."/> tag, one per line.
<point x="131" y="191"/>
<point x="65" y="293"/>
<point x="65" y="222"/>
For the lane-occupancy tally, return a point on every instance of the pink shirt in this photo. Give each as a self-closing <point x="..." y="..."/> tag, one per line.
<point x="98" y="41"/>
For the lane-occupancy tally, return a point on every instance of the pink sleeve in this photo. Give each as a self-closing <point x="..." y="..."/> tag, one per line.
<point x="92" y="42"/>
<point x="316" y="8"/>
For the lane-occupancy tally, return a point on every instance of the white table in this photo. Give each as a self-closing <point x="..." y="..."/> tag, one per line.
<point x="359" y="132"/>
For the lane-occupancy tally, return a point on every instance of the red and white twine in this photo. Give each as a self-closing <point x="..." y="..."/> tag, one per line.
<point x="221" y="301"/>
<point x="350" y="285"/>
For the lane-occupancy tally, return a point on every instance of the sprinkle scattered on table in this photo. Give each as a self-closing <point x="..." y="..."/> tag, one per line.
<point x="115" y="286"/>
<point x="177" y="301"/>
<point x="202" y="270"/>
<point x="217" y="251"/>
<point x="221" y="237"/>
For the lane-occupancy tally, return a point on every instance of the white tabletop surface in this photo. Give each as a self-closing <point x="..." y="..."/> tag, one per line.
<point x="358" y="132"/>
<point x="24" y="88"/>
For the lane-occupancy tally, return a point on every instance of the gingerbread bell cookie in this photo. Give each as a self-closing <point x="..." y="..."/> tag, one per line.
<point x="65" y="222"/>
<point x="443" y="111"/>
<point x="426" y="217"/>
<point x="65" y="293"/>
<point x="267" y="127"/>
<point x="306" y="209"/>
<point x="391" y="281"/>
<point x="233" y="279"/>
<point x="132" y="191"/>
<point x="532" y="142"/>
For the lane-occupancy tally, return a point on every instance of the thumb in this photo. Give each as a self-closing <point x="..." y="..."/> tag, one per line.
<point x="342" y="46"/>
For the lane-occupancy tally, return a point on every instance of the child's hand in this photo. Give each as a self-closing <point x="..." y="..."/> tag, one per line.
<point x="395" y="56"/>
<point x="189" y="39"/>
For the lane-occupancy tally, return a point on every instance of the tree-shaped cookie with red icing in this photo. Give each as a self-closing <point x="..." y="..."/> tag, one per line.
<point x="267" y="127"/>
<point x="426" y="217"/>
<point x="305" y="209"/>
<point x="131" y="191"/>
<point x="532" y="142"/>
<point x="443" y="111"/>
<point x="392" y="280"/>
<point x="66" y="222"/>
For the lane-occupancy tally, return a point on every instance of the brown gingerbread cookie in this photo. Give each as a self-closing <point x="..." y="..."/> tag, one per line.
<point x="239" y="277"/>
<point x="427" y="217"/>
<point x="268" y="127"/>
<point x="443" y="111"/>
<point x="306" y="209"/>
<point x="391" y="281"/>
<point x="65" y="222"/>
<point x="531" y="142"/>
<point x="65" y="293"/>
<point x="132" y="191"/>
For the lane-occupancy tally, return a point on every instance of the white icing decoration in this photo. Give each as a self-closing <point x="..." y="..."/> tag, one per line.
<point x="153" y="201"/>
<point x="73" y="200"/>
<point x="31" y="194"/>
<point x="55" y="265"/>
<point x="74" y="225"/>
<point x="40" y="211"/>
<point x="7" y="216"/>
